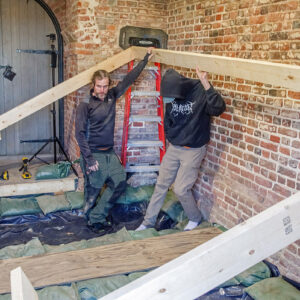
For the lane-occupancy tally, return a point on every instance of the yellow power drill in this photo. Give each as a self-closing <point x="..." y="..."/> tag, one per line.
<point x="4" y="175"/>
<point x="26" y="174"/>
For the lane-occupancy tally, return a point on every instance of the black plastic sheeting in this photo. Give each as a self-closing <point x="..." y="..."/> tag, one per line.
<point x="52" y="229"/>
<point x="69" y="226"/>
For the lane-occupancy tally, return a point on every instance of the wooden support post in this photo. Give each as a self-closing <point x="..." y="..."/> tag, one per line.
<point x="21" y="288"/>
<point x="283" y="75"/>
<point x="209" y="265"/>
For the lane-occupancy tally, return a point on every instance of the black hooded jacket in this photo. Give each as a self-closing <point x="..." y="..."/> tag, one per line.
<point x="95" y="119"/>
<point x="187" y="118"/>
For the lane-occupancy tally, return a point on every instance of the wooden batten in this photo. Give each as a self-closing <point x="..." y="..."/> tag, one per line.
<point x="31" y="106"/>
<point x="282" y="75"/>
<point x="21" y="288"/>
<point x="211" y="264"/>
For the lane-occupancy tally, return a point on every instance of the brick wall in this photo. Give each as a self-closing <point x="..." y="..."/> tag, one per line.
<point x="253" y="158"/>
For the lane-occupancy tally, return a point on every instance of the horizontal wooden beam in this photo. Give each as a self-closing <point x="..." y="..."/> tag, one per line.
<point x="282" y="75"/>
<point x="211" y="264"/>
<point x="121" y="258"/>
<point x="31" y="106"/>
<point x="38" y="187"/>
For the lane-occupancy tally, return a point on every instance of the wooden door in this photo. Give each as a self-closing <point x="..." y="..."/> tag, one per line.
<point x="25" y="25"/>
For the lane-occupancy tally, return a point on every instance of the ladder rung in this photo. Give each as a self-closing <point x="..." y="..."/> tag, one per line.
<point x="144" y="93"/>
<point x="145" y="118"/>
<point x="142" y="168"/>
<point x="149" y="68"/>
<point x="138" y="143"/>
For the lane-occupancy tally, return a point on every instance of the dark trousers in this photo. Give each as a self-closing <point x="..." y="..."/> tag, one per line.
<point x="111" y="173"/>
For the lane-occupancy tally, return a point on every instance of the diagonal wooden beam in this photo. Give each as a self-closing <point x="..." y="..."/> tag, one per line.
<point x="209" y="265"/>
<point x="31" y="106"/>
<point x="282" y="75"/>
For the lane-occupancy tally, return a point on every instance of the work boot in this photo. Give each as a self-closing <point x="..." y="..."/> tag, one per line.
<point x="100" y="227"/>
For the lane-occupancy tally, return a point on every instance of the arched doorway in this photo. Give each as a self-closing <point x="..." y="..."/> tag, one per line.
<point x="27" y="28"/>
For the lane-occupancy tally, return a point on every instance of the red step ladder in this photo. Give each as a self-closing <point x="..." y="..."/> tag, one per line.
<point x="128" y="119"/>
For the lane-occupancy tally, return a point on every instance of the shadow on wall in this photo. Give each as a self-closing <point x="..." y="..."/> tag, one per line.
<point x="219" y="186"/>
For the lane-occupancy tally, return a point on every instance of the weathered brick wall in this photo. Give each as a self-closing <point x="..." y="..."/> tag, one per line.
<point x="91" y="32"/>
<point x="253" y="158"/>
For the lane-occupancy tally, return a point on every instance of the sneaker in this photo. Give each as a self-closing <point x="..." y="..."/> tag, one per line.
<point x="191" y="225"/>
<point x="142" y="227"/>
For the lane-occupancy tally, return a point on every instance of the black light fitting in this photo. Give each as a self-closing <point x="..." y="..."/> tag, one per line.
<point x="8" y="73"/>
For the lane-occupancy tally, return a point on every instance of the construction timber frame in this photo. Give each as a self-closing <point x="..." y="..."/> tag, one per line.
<point x="283" y="75"/>
<point x="225" y="256"/>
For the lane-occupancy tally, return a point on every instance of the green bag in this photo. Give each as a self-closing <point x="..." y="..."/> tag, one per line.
<point x="53" y="171"/>
<point x="274" y="288"/>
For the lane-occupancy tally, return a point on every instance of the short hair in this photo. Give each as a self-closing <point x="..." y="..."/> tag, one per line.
<point x="100" y="74"/>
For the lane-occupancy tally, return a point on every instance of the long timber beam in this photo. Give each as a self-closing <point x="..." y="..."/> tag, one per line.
<point x="211" y="264"/>
<point x="282" y="75"/>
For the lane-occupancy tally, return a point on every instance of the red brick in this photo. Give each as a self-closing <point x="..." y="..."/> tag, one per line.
<point x="284" y="150"/>
<point x="269" y="146"/>
<point x="275" y="139"/>
<point x="264" y="182"/>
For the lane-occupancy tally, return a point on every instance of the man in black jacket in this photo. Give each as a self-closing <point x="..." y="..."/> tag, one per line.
<point x="191" y="103"/>
<point x="94" y="131"/>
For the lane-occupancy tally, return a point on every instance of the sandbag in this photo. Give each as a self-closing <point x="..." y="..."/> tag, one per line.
<point x="76" y="199"/>
<point x="49" y="203"/>
<point x="53" y="171"/>
<point x="18" y="206"/>
<point x="33" y="247"/>
<point x="136" y="194"/>
<point x="274" y="288"/>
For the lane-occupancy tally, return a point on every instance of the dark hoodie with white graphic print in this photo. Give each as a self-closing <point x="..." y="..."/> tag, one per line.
<point x="187" y="118"/>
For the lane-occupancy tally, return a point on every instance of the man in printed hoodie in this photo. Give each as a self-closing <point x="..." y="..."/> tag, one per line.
<point x="190" y="105"/>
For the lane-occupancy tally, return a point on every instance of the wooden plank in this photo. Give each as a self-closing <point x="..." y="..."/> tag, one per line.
<point x="209" y="265"/>
<point x="38" y="187"/>
<point x="29" y="107"/>
<point x="283" y="75"/>
<point x="106" y="260"/>
<point x="21" y="288"/>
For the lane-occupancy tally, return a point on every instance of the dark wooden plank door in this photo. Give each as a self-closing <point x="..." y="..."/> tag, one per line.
<point x="25" y="25"/>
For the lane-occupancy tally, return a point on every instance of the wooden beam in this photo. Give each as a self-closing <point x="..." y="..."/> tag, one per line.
<point x="282" y="75"/>
<point x="29" y="107"/>
<point x="103" y="261"/>
<point x="209" y="265"/>
<point x="38" y="187"/>
<point x="21" y="288"/>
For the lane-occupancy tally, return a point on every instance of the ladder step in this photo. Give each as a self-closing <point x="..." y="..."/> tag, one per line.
<point x="144" y="93"/>
<point x="142" y="168"/>
<point x="145" y="118"/>
<point x="138" y="143"/>
<point x="149" y="68"/>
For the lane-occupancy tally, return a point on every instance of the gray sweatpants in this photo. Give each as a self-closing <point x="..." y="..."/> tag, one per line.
<point x="180" y="165"/>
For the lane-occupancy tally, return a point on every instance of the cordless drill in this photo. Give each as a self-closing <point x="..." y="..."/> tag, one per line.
<point x="4" y="175"/>
<point x="26" y="174"/>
